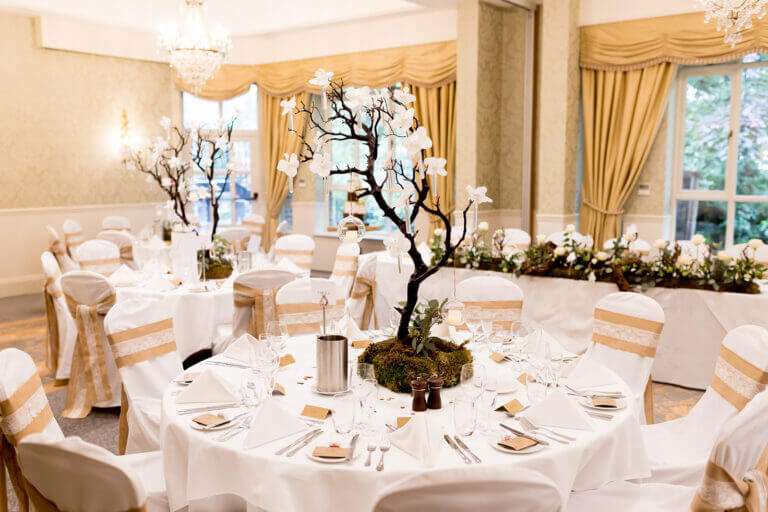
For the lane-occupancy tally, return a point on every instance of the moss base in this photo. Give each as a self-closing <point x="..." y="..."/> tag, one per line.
<point x="396" y="364"/>
<point x="218" y="270"/>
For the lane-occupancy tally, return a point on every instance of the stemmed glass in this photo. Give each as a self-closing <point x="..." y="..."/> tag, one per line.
<point x="486" y="402"/>
<point x="363" y="383"/>
<point x="473" y="379"/>
<point x="486" y="324"/>
<point x="538" y="361"/>
<point x="472" y="319"/>
<point x="277" y="334"/>
<point x="264" y="362"/>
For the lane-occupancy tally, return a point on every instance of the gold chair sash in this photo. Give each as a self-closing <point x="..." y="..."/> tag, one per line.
<point x="51" y="292"/>
<point x="719" y="490"/>
<point x="105" y="267"/>
<point x="736" y="379"/>
<point x="133" y="346"/>
<point x="88" y="382"/>
<point x="72" y="240"/>
<point x="307" y="317"/>
<point x="344" y="265"/>
<point x="126" y="252"/>
<point x="505" y="312"/>
<point x="256" y="228"/>
<point x="59" y="251"/>
<point x="298" y="256"/>
<point x="366" y="288"/>
<point x="9" y="463"/>
<point x="239" y="244"/>
<point x="627" y="333"/>
<point x="262" y="304"/>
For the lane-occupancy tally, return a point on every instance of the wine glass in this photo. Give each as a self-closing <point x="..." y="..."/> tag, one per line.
<point x="486" y="324"/>
<point x="473" y="378"/>
<point x="277" y="330"/>
<point x="472" y="319"/>
<point x="486" y="402"/>
<point x="363" y="383"/>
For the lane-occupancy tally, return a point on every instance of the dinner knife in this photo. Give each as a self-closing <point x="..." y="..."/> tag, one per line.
<point x="227" y="363"/>
<point x="466" y="449"/>
<point x="304" y="443"/>
<point x="351" y="451"/>
<point x="283" y="450"/>
<point x="193" y="410"/>
<point x="523" y="434"/>
<point x="453" y="445"/>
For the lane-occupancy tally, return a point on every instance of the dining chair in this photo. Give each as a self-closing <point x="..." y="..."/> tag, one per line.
<point x="237" y="236"/>
<point x="345" y="267"/>
<point x="255" y="224"/>
<point x="517" y="238"/>
<point x="639" y="246"/>
<point x="124" y="242"/>
<point x="254" y="297"/>
<point x="558" y="238"/>
<point x="116" y="222"/>
<point x="299" y="305"/>
<point x="61" y="332"/>
<point x="100" y="256"/>
<point x="362" y="297"/>
<point x="140" y="334"/>
<point x="296" y="247"/>
<point x="500" y="296"/>
<point x="58" y="248"/>
<point x="73" y="236"/>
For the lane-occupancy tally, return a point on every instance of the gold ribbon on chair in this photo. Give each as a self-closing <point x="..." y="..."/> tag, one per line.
<point x="261" y="301"/>
<point x="256" y="228"/>
<point x="341" y="265"/>
<point x="133" y="346"/>
<point x="105" y="266"/>
<point x="366" y="288"/>
<point x="294" y="255"/>
<point x="307" y="317"/>
<point x="719" y="490"/>
<point x="51" y="292"/>
<point x="736" y="379"/>
<point x="59" y="251"/>
<point x="627" y="333"/>
<point x="505" y="312"/>
<point x="72" y="240"/>
<point x="126" y="252"/>
<point x="9" y="463"/>
<point x="88" y="383"/>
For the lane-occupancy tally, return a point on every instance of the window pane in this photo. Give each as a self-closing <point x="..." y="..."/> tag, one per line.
<point x="197" y="111"/>
<point x="242" y="208"/>
<point x="705" y="217"/>
<point x="242" y="185"/>
<point x="202" y="206"/>
<point x="753" y="133"/>
<point x="755" y="57"/>
<point x="336" y="201"/>
<point x="707" y="125"/>
<point x="286" y="214"/>
<point x="247" y="104"/>
<point x="242" y="153"/>
<point x="751" y="222"/>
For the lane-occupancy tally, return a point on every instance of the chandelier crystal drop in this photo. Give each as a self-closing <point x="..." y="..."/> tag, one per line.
<point x="733" y="16"/>
<point x="195" y="53"/>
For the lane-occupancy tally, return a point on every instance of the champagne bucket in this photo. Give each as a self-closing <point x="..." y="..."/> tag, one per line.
<point x="332" y="354"/>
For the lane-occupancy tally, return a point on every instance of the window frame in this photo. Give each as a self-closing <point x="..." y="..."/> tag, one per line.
<point x="728" y="194"/>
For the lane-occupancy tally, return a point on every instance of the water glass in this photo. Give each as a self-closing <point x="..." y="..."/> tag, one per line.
<point x="487" y="399"/>
<point x="343" y="413"/>
<point x="252" y="388"/>
<point x="464" y="416"/>
<point x="363" y="383"/>
<point x="472" y="319"/>
<point x="486" y="324"/>
<point x="243" y="261"/>
<point x="473" y="378"/>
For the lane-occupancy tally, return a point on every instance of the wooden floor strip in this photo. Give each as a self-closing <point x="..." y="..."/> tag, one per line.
<point x="33" y="320"/>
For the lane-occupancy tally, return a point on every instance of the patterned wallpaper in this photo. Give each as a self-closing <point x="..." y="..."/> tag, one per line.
<point x="62" y="115"/>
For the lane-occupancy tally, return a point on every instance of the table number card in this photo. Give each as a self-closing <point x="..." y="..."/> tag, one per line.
<point x="511" y="407"/>
<point x="518" y="443"/>
<point x="361" y="343"/>
<point x="318" y="413"/>
<point x="286" y="360"/>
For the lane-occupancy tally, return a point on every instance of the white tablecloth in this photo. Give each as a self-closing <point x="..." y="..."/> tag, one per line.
<point x="210" y="475"/>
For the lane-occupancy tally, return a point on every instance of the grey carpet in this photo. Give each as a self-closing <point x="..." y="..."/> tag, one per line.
<point x="21" y="307"/>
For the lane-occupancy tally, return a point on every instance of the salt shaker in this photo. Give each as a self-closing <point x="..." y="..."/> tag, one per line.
<point x="435" y="385"/>
<point x="419" y="391"/>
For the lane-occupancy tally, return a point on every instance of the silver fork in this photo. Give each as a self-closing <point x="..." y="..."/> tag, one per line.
<point x="384" y="449"/>
<point x="528" y="425"/>
<point x="371" y="448"/>
<point x="245" y="424"/>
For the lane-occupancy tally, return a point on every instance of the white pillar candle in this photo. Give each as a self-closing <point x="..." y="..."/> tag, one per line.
<point x="351" y="236"/>
<point x="454" y="317"/>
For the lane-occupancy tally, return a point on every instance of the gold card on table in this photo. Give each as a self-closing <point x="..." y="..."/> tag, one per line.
<point x="523" y="379"/>
<point x="402" y="420"/>
<point x="279" y="390"/>
<point x="511" y="407"/>
<point x="208" y="419"/>
<point x="286" y="360"/>
<point x="330" y="452"/>
<point x="313" y="411"/>
<point x="361" y="343"/>
<point x="518" y="443"/>
<point x="604" y="403"/>
<point x="497" y="357"/>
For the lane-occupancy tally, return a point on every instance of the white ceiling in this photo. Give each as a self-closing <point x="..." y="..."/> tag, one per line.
<point x="240" y="17"/>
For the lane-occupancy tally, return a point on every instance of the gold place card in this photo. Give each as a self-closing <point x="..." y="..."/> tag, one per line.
<point x="604" y="403"/>
<point x="402" y="420"/>
<point x="511" y="407"/>
<point x="523" y="379"/>
<point x="518" y="443"/>
<point x="313" y="411"/>
<point x="286" y="360"/>
<point x="279" y="390"/>
<point x="208" y="419"/>
<point x="330" y="452"/>
<point x="361" y="343"/>
<point x="497" y="357"/>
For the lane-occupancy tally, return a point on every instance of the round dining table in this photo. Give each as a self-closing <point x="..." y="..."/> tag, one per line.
<point x="204" y="473"/>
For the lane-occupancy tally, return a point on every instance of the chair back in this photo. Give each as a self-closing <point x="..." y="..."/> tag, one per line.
<point x="61" y="332"/>
<point x="297" y="247"/>
<point x="116" y="222"/>
<point x="283" y="229"/>
<point x="517" y="238"/>
<point x="506" y="303"/>
<point x="59" y="249"/>
<point x="299" y="306"/>
<point x="237" y="236"/>
<point x="479" y="489"/>
<point x="70" y="474"/>
<point x="73" y="236"/>
<point x="362" y="297"/>
<point x="255" y="224"/>
<point x="345" y="267"/>
<point x="124" y="242"/>
<point x="254" y="294"/>
<point x="99" y="256"/>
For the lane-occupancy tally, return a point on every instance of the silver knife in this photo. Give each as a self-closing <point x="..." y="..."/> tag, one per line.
<point x="224" y="421"/>
<point x="285" y="449"/>
<point x="352" y="444"/>
<point x="227" y="363"/>
<point x="193" y="410"/>
<point x="453" y="445"/>
<point x="523" y="434"/>
<point x="304" y="443"/>
<point x="466" y="449"/>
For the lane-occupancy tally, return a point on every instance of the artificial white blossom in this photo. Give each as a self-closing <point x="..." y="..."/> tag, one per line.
<point x="322" y="78"/>
<point x="698" y="239"/>
<point x="358" y="97"/>
<point x="684" y="260"/>
<point x="165" y="122"/>
<point x="602" y="256"/>
<point x="397" y="244"/>
<point x="289" y="165"/>
<point x="288" y="106"/>
<point x="405" y="196"/>
<point x="321" y="164"/>
<point x="570" y="228"/>
<point x="723" y="256"/>
<point x="571" y="257"/>
<point x="755" y="243"/>
<point x="477" y="195"/>
<point x="417" y="141"/>
<point x="404" y="96"/>
<point x="483" y="226"/>
<point x="559" y="250"/>
<point x="660" y="243"/>
<point x="174" y="162"/>
<point x="437" y="232"/>
<point x="205" y="162"/>
<point x="166" y="182"/>
<point x="221" y="142"/>
<point x="436" y="166"/>
<point x="403" y="119"/>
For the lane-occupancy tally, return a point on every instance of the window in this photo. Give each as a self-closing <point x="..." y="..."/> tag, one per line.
<point x="355" y="154"/>
<point x="721" y="180"/>
<point x="236" y="200"/>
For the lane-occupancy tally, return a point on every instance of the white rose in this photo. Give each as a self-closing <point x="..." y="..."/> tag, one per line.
<point x="540" y="239"/>
<point x="660" y="243"/>
<point x="571" y="257"/>
<point x="570" y="228"/>
<point x="507" y="251"/>
<point x="698" y="239"/>
<point x="438" y="232"/>
<point x="684" y="260"/>
<point x="559" y="251"/>
<point x="723" y="256"/>
<point x="755" y="243"/>
<point x="483" y="226"/>
<point x="602" y="255"/>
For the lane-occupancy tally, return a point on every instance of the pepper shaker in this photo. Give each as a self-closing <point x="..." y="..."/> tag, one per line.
<point x="435" y="385"/>
<point x="419" y="392"/>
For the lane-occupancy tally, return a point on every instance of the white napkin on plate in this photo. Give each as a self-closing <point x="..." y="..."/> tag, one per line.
<point x="506" y="381"/>
<point x="208" y="387"/>
<point x="421" y="438"/>
<point x="559" y="410"/>
<point x="123" y="276"/>
<point x="158" y="284"/>
<point x="240" y="349"/>
<point x="288" y="265"/>
<point x="586" y="373"/>
<point x="272" y="422"/>
<point x="348" y="327"/>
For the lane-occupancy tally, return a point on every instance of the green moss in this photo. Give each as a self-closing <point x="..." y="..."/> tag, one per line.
<point x="396" y="364"/>
<point x="218" y="270"/>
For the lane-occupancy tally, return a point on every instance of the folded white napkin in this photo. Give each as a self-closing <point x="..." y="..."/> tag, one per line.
<point x="586" y="373"/>
<point x="240" y="349"/>
<point x="559" y="410"/>
<point x="421" y="438"/>
<point x="348" y="327"/>
<point x="123" y="276"/>
<point x="271" y="423"/>
<point x="288" y="265"/>
<point x="506" y="381"/>
<point x="208" y="387"/>
<point x="158" y="283"/>
<point x="554" y="345"/>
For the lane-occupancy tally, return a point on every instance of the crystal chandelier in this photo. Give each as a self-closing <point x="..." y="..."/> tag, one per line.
<point x="733" y="16"/>
<point x="195" y="53"/>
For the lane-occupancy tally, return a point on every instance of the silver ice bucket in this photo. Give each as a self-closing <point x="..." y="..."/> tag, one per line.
<point x="332" y="353"/>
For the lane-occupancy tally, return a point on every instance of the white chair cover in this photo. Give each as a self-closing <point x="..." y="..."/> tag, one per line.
<point x="517" y="238"/>
<point x="99" y="256"/>
<point x="296" y="305"/>
<point x="501" y="296"/>
<point x="297" y="247"/>
<point x="62" y="332"/>
<point x="237" y="236"/>
<point x="558" y="238"/>
<point x="73" y="236"/>
<point x="124" y="242"/>
<point x="59" y="249"/>
<point x="283" y="228"/>
<point x="24" y="411"/>
<point x="255" y="305"/>
<point x="255" y="224"/>
<point x="75" y="475"/>
<point x="116" y="222"/>
<point x="476" y="489"/>
<point x="94" y="380"/>
<point x="345" y="267"/>
<point x="639" y="246"/>
<point x="678" y="449"/>
<point x="625" y="335"/>
<point x="140" y="333"/>
<point x="362" y="298"/>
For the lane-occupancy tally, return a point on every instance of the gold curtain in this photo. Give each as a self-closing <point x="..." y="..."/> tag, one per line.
<point x="681" y="39"/>
<point x="275" y="141"/>
<point x="425" y="65"/>
<point x="621" y="112"/>
<point x="435" y="108"/>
